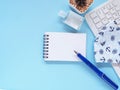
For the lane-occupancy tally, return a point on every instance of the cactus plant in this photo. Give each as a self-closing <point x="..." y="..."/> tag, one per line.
<point x="80" y="2"/>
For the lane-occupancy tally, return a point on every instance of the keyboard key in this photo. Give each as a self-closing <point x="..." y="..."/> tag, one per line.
<point x="114" y="3"/>
<point x="119" y="13"/>
<point x="99" y="29"/>
<point x="93" y="15"/>
<point x="115" y="15"/>
<point x="108" y="15"/>
<point x="111" y="19"/>
<point x="105" y="21"/>
<point x="96" y="19"/>
<point x="108" y="6"/>
<point x="117" y="7"/>
<point x="99" y="25"/>
<point x="118" y="21"/>
<point x="112" y="10"/>
<point x="105" y="10"/>
<point x="100" y="13"/>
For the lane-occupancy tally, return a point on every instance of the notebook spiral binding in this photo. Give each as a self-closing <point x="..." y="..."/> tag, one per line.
<point x="46" y="46"/>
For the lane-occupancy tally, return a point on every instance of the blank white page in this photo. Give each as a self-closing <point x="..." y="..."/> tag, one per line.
<point x="61" y="46"/>
<point x="116" y="67"/>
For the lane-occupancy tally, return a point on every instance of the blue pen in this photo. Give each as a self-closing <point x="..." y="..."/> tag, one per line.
<point x="97" y="71"/>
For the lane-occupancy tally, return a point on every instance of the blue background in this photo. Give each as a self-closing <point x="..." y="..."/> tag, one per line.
<point x="22" y="25"/>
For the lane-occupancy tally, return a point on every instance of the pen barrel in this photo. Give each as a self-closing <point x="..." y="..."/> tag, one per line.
<point x="98" y="72"/>
<point x="110" y="82"/>
<point x="89" y="64"/>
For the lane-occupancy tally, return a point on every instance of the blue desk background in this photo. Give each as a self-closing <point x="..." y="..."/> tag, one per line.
<point x="22" y="25"/>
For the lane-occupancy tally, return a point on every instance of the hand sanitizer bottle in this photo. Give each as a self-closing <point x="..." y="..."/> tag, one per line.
<point x="72" y="19"/>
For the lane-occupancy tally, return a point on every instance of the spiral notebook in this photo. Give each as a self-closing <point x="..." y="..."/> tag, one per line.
<point x="60" y="46"/>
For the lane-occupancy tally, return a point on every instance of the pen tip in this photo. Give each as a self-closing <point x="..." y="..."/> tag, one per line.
<point x="75" y="52"/>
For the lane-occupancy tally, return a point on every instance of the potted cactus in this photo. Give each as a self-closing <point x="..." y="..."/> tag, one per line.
<point x="80" y="6"/>
<point x="81" y="3"/>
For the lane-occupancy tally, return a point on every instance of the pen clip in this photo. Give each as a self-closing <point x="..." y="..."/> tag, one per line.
<point x="110" y="82"/>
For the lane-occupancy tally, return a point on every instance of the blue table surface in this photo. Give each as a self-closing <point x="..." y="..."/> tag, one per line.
<point x="22" y="25"/>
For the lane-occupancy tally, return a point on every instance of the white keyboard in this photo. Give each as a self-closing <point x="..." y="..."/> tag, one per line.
<point x="103" y="14"/>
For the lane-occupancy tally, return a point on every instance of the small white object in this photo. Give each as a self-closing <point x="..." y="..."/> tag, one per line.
<point x="116" y="67"/>
<point x="72" y="19"/>
<point x="62" y="14"/>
